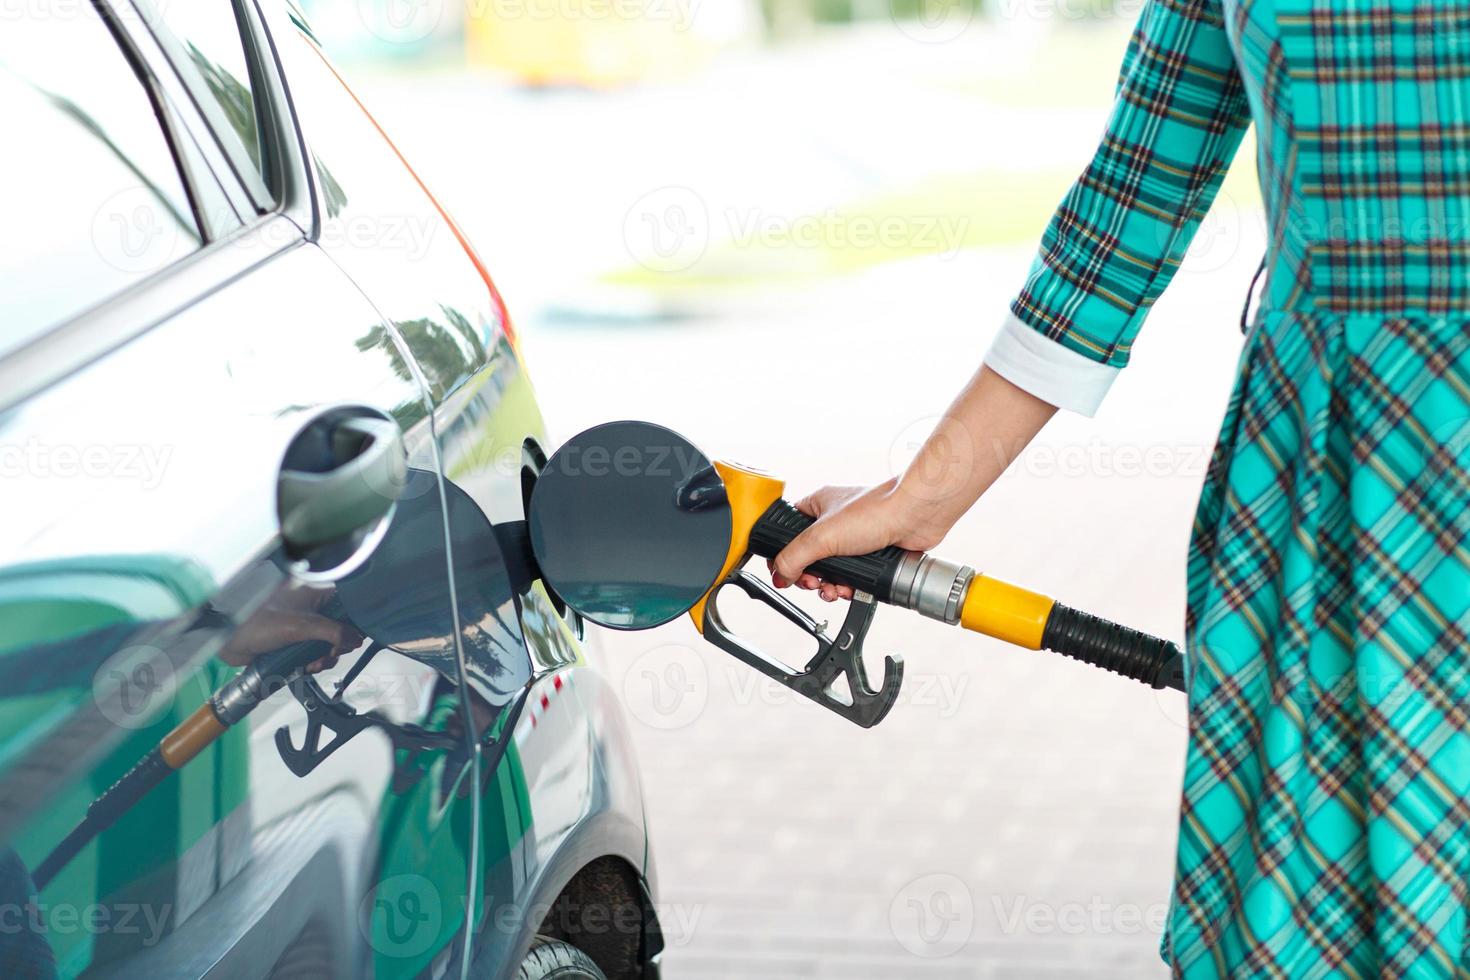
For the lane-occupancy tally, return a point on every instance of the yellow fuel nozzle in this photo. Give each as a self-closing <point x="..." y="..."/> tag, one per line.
<point x="750" y="494"/>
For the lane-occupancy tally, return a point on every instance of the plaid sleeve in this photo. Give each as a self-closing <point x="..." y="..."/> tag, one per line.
<point x="1121" y="231"/>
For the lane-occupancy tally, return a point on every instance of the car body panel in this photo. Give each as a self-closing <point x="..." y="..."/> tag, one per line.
<point x="137" y="583"/>
<point x="143" y="549"/>
<point x="491" y="435"/>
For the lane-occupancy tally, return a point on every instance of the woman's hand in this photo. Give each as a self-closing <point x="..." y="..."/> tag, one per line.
<point x="271" y="629"/>
<point x="855" y="521"/>
<point x="988" y="425"/>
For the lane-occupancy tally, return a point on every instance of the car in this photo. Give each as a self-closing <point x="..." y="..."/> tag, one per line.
<point x="281" y="692"/>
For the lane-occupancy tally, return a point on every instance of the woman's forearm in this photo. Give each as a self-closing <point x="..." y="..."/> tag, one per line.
<point x="987" y="426"/>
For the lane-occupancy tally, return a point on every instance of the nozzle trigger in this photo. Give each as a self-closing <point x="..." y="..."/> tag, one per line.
<point x="840" y="657"/>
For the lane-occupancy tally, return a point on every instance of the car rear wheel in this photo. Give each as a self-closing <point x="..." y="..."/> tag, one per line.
<point x="553" y="960"/>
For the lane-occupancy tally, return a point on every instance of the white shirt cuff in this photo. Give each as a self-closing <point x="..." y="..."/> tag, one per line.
<point x="1041" y="366"/>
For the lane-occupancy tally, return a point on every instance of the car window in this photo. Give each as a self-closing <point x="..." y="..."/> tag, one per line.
<point x="92" y="196"/>
<point x="206" y="41"/>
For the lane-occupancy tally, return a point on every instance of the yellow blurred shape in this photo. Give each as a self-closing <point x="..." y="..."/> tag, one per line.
<point x="595" y="43"/>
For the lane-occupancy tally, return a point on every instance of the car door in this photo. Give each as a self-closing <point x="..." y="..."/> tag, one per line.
<point x="208" y="363"/>
<point x="381" y="226"/>
<point x="564" y="790"/>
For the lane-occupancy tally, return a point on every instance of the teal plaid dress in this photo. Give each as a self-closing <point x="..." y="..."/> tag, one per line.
<point x="1325" y="825"/>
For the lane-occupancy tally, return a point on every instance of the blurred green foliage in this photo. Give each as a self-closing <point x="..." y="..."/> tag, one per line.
<point x="844" y="10"/>
<point x="787" y="17"/>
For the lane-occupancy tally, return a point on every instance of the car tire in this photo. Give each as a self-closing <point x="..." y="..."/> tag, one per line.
<point x="550" y="959"/>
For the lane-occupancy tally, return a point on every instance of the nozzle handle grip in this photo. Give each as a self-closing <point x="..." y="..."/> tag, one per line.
<point x="872" y="573"/>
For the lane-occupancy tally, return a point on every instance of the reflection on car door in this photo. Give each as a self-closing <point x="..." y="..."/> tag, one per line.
<point x="137" y="586"/>
<point x="147" y="564"/>
<point x="381" y="226"/>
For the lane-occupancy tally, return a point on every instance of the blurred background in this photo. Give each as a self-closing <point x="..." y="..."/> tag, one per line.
<point x="789" y="229"/>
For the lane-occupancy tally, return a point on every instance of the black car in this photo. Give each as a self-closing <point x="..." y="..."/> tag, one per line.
<point x="266" y="441"/>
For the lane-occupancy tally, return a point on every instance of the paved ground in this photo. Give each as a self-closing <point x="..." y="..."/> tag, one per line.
<point x="1015" y="815"/>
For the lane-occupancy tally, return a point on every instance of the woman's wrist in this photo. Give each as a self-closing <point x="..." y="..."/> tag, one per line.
<point x="924" y="519"/>
<point x="987" y="426"/>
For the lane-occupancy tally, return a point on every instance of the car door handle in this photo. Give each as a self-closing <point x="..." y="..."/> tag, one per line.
<point x="363" y="477"/>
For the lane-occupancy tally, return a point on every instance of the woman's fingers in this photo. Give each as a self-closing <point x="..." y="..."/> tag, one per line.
<point x="819" y="541"/>
<point x="808" y="581"/>
<point x="804" y="581"/>
<point x="819" y="501"/>
<point x="781" y="581"/>
<point x="849" y="521"/>
<point x="807" y="547"/>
